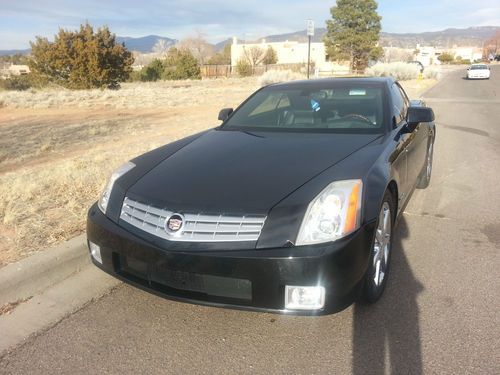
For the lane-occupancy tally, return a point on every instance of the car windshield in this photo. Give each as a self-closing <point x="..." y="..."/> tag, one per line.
<point x="479" y="67"/>
<point x="347" y="108"/>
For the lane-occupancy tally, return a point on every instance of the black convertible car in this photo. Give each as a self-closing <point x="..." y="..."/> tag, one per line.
<point x="288" y="206"/>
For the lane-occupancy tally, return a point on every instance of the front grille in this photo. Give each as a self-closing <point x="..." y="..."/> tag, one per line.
<point x="197" y="227"/>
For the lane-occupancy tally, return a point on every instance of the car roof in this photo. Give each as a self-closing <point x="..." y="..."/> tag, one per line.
<point x="334" y="80"/>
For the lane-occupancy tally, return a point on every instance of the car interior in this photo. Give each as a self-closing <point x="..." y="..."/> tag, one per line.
<point x="345" y="108"/>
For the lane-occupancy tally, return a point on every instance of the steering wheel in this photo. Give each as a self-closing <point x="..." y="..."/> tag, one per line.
<point x="359" y="117"/>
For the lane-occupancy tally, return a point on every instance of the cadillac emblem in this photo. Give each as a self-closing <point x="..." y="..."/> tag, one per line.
<point x="174" y="223"/>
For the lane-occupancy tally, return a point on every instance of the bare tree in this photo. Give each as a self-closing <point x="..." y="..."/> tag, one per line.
<point x="393" y="54"/>
<point x="255" y="55"/>
<point x="199" y="48"/>
<point x="161" y="47"/>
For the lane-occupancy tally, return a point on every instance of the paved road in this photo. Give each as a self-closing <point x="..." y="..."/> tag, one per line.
<point x="439" y="314"/>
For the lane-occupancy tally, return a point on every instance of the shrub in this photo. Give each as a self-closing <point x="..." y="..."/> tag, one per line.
<point x="153" y="71"/>
<point x="271" y="56"/>
<point x="244" y="68"/>
<point x="398" y="70"/>
<point x="181" y="64"/>
<point x="432" y="72"/>
<point x="275" y="76"/>
<point x="135" y="76"/>
<point x="81" y="59"/>
<point x="17" y="83"/>
<point x="446" y="58"/>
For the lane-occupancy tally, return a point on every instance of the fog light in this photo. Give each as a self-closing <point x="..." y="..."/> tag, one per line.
<point x="304" y="297"/>
<point x="95" y="251"/>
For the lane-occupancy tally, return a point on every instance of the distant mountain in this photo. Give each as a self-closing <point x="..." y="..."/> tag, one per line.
<point x="472" y="36"/>
<point x="143" y="44"/>
<point x="297" y="36"/>
<point x="9" y="52"/>
<point x="220" y="46"/>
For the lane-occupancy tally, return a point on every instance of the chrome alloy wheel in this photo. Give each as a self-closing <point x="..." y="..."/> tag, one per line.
<point x="429" y="161"/>
<point x="382" y="244"/>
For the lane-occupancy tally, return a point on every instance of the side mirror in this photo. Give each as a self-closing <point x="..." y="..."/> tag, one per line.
<point x="416" y="115"/>
<point x="225" y="113"/>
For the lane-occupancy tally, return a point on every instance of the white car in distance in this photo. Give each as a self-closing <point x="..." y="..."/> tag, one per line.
<point x="478" y="71"/>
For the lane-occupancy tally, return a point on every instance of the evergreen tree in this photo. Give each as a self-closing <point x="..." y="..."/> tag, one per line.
<point x="223" y="57"/>
<point x="353" y="32"/>
<point x="181" y="64"/>
<point x="81" y="59"/>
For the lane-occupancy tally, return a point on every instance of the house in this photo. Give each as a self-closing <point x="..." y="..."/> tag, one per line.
<point x="288" y="52"/>
<point x="428" y="55"/>
<point x="8" y="69"/>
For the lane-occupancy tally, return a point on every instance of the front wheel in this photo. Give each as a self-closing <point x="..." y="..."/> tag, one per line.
<point x="376" y="275"/>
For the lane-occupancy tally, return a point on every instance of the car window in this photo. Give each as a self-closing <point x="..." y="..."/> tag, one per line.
<point x="479" y="67"/>
<point x="344" y="108"/>
<point x="399" y="106"/>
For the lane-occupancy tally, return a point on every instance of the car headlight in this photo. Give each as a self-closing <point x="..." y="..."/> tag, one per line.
<point x="106" y="194"/>
<point x="333" y="214"/>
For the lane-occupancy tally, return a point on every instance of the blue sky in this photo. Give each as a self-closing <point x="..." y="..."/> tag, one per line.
<point x="22" y="20"/>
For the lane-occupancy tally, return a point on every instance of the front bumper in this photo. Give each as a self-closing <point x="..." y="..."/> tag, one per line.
<point x="248" y="279"/>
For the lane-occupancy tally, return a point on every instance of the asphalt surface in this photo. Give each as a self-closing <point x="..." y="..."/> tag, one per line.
<point x="439" y="314"/>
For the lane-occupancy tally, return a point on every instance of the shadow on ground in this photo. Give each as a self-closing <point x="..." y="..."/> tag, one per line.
<point x="386" y="336"/>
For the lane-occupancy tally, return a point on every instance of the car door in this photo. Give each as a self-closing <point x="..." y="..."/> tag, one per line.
<point x="403" y="139"/>
<point x="417" y="147"/>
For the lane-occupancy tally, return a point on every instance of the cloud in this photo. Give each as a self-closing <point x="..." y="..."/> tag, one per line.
<point x="21" y="21"/>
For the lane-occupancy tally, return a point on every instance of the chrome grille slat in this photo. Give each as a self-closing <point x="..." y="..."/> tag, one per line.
<point x="197" y="227"/>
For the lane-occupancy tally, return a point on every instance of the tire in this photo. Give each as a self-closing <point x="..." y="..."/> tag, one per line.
<point x="424" y="178"/>
<point x="380" y="255"/>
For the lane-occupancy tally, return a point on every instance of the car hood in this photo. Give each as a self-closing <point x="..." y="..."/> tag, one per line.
<point x="236" y="172"/>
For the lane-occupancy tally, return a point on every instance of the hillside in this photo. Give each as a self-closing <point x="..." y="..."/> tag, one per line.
<point x="472" y="36"/>
<point x="143" y="44"/>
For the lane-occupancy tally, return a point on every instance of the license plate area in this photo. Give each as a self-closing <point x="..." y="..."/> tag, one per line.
<point x="211" y="285"/>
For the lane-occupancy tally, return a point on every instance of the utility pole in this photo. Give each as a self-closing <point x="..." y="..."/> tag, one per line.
<point x="310" y="34"/>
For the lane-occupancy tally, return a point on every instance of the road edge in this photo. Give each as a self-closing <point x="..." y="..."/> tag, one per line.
<point x="38" y="272"/>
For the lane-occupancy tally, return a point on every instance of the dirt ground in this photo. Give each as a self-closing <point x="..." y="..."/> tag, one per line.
<point x="57" y="147"/>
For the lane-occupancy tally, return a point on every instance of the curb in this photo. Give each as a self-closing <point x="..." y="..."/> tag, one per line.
<point x="42" y="270"/>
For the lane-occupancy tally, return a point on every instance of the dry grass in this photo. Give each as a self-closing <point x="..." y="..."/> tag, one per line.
<point x="58" y="147"/>
<point x="131" y="95"/>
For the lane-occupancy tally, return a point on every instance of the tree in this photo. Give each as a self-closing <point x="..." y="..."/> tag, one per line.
<point x="198" y="47"/>
<point x="223" y="57"/>
<point x="270" y="57"/>
<point x="353" y="32"/>
<point x="445" y="58"/>
<point x="181" y="64"/>
<point x="81" y="59"/>
<point x="161" y="47"/>
<point x="254" y="55"/>
<point x="153" y="71"/>
<point x="491" y="47"/>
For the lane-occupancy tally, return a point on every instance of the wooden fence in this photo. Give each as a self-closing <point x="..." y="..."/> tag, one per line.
<point x="215" y="71"/>
<point x="218" y="71"/>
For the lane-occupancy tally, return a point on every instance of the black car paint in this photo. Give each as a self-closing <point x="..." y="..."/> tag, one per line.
<point x="190" y="174"/>
<point x="338" y="266"/>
